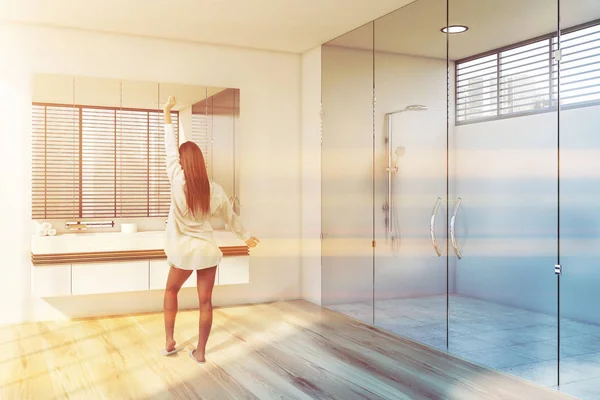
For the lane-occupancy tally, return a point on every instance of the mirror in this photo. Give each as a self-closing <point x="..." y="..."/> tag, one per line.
<point x="214" y="122"/>
<point x="98" y="146"/>
<point x="55" y="143"/>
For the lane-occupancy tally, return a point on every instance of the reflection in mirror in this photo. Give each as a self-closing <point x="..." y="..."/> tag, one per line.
<point x="55" y="147"/>
<point x="122" y="175"/>
<point x="186" y="96"/>
<point x="503" y="312"/>
<point x="98" y="147"/>
<point x="213" y="129"/>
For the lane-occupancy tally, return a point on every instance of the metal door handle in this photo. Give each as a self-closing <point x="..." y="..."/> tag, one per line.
<point x="452" y="230"/>
<point x="432" y="226"/>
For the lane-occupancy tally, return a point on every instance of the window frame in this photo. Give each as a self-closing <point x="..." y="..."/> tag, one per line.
<point x="551" y="76"/>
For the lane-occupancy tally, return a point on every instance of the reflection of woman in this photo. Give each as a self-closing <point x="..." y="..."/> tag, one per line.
<point x="189" y="243"/>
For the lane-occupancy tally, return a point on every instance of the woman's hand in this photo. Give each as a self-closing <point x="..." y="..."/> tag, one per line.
<point x="169" y="104"/>
<point x="252" y="242"/>
<point x="167" y="109"/>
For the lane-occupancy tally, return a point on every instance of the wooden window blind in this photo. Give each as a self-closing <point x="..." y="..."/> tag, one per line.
<point x="202" y="135"/>
<point x="98" y="162"/>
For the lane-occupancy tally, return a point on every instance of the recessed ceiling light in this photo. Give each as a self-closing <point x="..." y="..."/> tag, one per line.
<point x="455" y="29"/>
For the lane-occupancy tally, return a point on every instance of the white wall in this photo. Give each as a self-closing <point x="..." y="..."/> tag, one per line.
<point x="269" y="148"/>
<point x="311" y="176"/>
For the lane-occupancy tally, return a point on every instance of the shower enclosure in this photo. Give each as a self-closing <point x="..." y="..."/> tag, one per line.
<point x="461" y="182"/>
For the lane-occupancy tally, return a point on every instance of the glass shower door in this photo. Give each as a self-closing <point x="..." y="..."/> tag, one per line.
<point x="347" y="174"/>
<point x="410" y="172"/>
<point x="504" y="188"/>
<point x="579" y="90"/>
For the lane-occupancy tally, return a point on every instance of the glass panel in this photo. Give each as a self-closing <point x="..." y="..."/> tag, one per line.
<point x="503" y="194"/>
<point x="347" y="174"/>
<point x="410" y="172"/>
<point x="580" y="199"/>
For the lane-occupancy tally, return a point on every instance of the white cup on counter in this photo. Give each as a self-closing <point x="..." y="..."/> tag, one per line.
<point x="129" y="228"/>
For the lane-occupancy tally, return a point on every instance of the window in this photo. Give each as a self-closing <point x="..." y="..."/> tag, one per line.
<point x="523" y="79"/>
<point x="476" y="89"/>
<point x="98" y="162"/>
<point x="580" y="66"/>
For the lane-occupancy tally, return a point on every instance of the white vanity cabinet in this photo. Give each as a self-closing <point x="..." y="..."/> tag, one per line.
<point x="114" y="277"/>
<point x="64" y="265"/>
<point x="127" y="276"/>
<point x="51" y="281"/>
<point x="159" y="271"/>
<point x="234" y="270"/>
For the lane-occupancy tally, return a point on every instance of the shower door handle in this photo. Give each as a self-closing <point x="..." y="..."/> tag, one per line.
<point x="432" y="226"/>
<point x="452" y="229"/>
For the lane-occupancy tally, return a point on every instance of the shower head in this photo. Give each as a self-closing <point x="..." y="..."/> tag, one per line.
<point x="414" y="107"/>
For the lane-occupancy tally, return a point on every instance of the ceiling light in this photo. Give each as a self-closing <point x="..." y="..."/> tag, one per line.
<point x="455" y="29"/>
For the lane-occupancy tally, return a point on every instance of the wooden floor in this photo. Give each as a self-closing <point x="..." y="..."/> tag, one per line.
<point x="287" y="350"/>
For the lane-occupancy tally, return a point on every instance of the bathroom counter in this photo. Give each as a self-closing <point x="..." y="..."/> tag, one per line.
<point x="115" y="246"/>
<point x="87" y="263"/>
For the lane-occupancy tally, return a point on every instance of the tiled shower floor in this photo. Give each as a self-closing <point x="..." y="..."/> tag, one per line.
<point x="513" y="340"/>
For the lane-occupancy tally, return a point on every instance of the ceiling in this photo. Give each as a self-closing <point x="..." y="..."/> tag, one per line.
<point x="280" y="25"/>
<point x="415" y="29"/>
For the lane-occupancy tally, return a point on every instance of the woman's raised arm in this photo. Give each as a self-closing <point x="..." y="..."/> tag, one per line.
<point x="174" y="169"/>
<point x="167" y="109"/>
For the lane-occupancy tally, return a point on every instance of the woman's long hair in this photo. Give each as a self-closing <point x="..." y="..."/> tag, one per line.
<point x="197" y="186"/>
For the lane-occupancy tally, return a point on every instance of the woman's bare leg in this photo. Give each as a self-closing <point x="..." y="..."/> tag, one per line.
<point x="205" y="283"/>
<point x="176" y="279"/>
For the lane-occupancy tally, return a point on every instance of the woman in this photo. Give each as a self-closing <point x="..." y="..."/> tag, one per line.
<point x="189" y="243"/>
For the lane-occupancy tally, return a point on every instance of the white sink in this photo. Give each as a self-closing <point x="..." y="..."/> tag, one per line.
<point x="82" y="242"/>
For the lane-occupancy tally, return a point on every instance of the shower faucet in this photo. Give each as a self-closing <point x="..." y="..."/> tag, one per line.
<point x="391" y="219"/>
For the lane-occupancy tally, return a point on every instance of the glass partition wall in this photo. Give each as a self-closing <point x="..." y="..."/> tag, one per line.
<point x="504" y="197"/>
<point x="461" y="183"/>
<point x="410" y="196"/>
<point x="578" y="88"/>
<point x="347" y="174"/>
